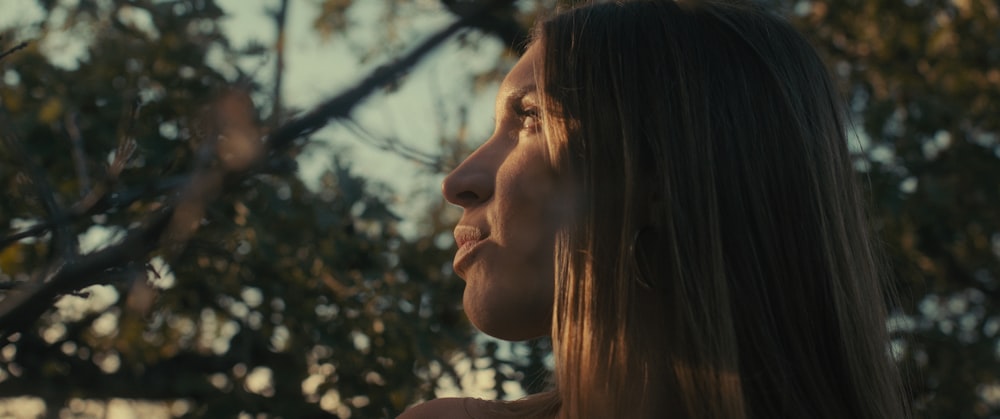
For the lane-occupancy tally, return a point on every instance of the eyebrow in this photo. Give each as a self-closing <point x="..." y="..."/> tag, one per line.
<point x="518" y="95"/>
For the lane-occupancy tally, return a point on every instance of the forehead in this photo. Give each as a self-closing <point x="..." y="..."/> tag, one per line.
<point x="522" y="76"/>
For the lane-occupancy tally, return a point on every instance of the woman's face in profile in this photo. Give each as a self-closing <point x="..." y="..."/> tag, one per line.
<point x="511" y="203"/>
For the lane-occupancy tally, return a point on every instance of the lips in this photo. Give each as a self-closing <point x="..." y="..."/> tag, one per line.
<point x="468" y="239"/>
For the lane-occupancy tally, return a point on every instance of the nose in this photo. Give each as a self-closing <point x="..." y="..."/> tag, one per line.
<point x="471" y="183"/>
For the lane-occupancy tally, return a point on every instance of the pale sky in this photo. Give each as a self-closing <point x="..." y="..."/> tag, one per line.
<point x="317" y="69"/>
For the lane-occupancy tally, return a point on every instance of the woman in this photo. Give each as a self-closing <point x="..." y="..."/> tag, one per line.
<point x="669" y="196"/>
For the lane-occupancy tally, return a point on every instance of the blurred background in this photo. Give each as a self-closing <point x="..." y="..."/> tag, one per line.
<point x="321" y="285"/>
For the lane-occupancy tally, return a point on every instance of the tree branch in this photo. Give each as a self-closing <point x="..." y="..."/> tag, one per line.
<point x="62" y="237"/>
<point x="99" y="199"/>
<point x="177" y="220"/>
<point x="79" y="157"/>
<point x="22" y="306"/>
<point x="16" y="48"/>
<point x="395" y="146"/>
<point x="342" y="105"/>
<point x="280" y="20"/>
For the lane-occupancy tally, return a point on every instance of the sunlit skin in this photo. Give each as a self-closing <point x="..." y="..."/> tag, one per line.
<point x="512" y="205"/>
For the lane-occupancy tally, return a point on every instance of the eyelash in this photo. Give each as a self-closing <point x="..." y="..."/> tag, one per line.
<point x="523" y="113"/>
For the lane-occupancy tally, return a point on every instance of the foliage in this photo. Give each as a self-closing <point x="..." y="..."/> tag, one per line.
<point x="922" y="78"/>
<point x="287" y="301"/>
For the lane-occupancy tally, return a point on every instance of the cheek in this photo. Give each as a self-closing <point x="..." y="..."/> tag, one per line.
<point x="513" y="297"/>
<point x="527" y="195"/>
<point x="523" y="220"/>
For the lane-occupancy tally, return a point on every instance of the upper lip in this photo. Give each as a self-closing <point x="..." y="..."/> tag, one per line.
<point x="468" y="234"/>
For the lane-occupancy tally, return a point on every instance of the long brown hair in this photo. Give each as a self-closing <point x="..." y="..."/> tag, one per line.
<point x="721" y="264"/>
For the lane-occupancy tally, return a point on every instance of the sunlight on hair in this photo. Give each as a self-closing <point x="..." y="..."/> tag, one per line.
<point x="722" y="382"/>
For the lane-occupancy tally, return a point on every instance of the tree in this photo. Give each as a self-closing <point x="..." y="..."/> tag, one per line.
<point x="922" y="80"/>
<point x="263" y="296"/>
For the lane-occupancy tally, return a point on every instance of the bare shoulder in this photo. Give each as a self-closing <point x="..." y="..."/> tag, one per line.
<point x="446" y="408"/>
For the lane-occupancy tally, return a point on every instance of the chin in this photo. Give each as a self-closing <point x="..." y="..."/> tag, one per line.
<point x="512" y="322"/>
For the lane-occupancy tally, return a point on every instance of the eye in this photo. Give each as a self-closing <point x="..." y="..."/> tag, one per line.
<point x="528" y="115"/>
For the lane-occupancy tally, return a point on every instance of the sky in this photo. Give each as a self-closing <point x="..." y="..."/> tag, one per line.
<point x="318" y="68"/>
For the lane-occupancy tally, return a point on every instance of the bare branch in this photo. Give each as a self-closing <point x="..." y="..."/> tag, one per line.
<point x="100" y="200"/>
<point x="33" y="231"/>
<point x="394" y="145"/>
<point x="23" y="305"/>
<point x="342" y="105"/>
<point x="62" y="236"/>
<point x="16" y="48"/>
<point x="176" y="221"/>
<point x="126" y="144"/>
<point x="280" y="20"/>
<point x="79" y="157"/>
<point x="504" y="25"/>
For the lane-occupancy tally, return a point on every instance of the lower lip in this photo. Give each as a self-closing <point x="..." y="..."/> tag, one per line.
<point x="463" y="256"/>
